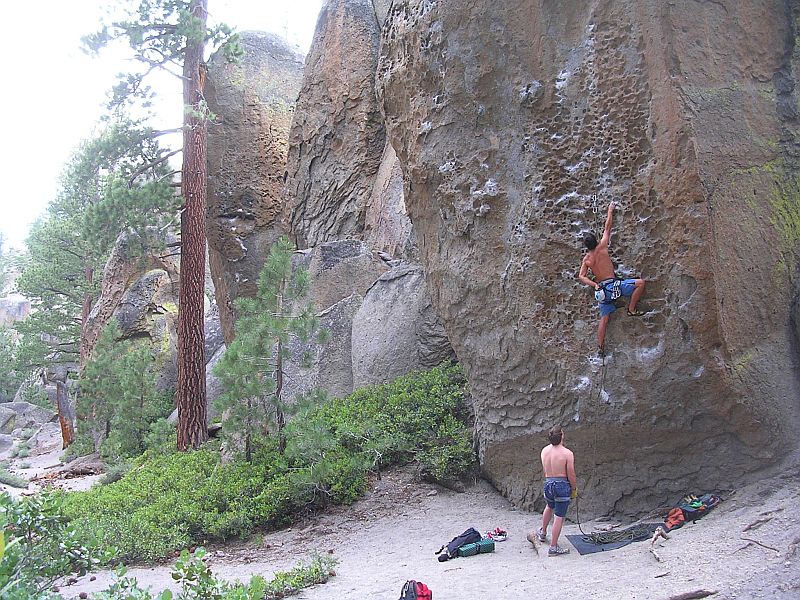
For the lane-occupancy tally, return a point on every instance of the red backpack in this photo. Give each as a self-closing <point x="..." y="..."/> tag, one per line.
<point x="415" y="590"/>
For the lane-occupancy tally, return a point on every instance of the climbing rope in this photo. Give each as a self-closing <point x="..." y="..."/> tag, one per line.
<point x="603" y="370"/>
<point x="634" y="533"/>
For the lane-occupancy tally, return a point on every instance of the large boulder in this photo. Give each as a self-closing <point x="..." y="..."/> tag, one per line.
<point x="387" y="227"/>
<point x="340" y="273"/>
<point x="46" y="439"/>
<point x="515" y="124"/>
<point x="13" y="308"/>
<point x="337" y="136"/>
<point x="6" y="444"/>
<point x="17" y="416"/>
<point x="330" y="365"/>
<point x="214" y="387"/>
<point x="135" y="287"/>
<point x="339" y="269"/>
<point x="396" y="330"/>
<point x="253" y="100"/>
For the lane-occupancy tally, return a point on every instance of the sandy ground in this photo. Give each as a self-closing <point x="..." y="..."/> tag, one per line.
<point x="746" y="548"/>
<point x="37" y="465"/>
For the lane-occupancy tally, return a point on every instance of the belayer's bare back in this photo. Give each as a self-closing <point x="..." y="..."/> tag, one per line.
<point x="554" y="460"/>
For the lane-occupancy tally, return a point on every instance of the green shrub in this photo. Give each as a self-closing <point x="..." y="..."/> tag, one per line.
<point x="115" y="472"/>
<point x="160" y="436"/>
<point x="82" y="445"/>
<point x="119" y="399"/>
<point x="421" y="418"/>
<point x="170" y="500"/>
<point x="12" y="480"/>
<point x="21" y="450"/>
<point x="39" y="546"/>
<point x="286" y="583"/>
<point x="199" y="583"/>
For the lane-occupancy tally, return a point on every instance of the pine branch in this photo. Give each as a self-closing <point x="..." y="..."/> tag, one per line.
<point x="161" y="132"/>
<point x="151" y="165"/>
<point x="62" y="293"/>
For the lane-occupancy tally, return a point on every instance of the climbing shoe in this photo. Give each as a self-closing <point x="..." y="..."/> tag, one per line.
<point x="540" y="535"/>
<point x="636" y="313"/>
<point x="557" y="551"/>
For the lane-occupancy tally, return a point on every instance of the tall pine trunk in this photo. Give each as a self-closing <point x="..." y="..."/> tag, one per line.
<point x="86" y="309"/>
<point x="191" y="400"/>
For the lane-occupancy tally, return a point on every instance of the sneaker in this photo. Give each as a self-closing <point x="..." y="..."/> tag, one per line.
<point x="541" y="535"/>
<point x="557" y="551"/>
<point x="498" y="535"/>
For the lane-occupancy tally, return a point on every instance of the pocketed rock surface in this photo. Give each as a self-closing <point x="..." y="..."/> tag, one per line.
<point x="516" y="123"/>
<point x="392" y="535"/>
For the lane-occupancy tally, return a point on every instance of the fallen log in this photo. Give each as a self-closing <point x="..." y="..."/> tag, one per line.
<point x="757" y="523"/>
<point x="531" y="537"/>
<point x="657" y="556"/>
<point x="693" y="595"/>
<point x="760" y="544"/>
<point x="658" y="533"/>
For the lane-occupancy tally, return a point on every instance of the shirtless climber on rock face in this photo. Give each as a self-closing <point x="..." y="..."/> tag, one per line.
<point x="607" y="287"/>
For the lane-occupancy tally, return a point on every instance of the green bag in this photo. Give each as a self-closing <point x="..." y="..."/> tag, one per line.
<point x="481" y="547"/>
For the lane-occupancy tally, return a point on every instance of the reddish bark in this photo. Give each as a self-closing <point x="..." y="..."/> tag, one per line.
<point x="65" y="414"/>
<point x="88" y="273"/>
<point x="191" y="393"/>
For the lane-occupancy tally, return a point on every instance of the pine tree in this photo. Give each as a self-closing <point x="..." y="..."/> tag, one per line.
<point x="253" y="368"/>
<point x="10" y="376"/>
<point x="70" y="243"/>
<point x="3" y="264"/>
<point x="162" y="34"/>
<point x="119" y="400"/>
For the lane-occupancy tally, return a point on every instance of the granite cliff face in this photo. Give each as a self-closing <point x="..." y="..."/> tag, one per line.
<point x="337" y="136"/>
<point x="254" y="101"/>
<point x="515" y="124"/>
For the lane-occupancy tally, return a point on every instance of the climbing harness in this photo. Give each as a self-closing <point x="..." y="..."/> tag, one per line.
<point x="609" y="290"/>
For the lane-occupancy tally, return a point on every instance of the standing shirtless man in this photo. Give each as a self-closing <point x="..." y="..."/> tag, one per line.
<point x="607" y="286"/>
<point x="560" y="487"/>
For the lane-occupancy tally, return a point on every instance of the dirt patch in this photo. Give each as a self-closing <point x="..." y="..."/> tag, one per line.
<point x="746" y="548"/>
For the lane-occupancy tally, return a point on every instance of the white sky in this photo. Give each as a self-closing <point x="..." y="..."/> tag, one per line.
<point x="52" y="94"/>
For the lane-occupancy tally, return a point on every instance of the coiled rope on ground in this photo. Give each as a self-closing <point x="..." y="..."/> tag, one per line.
<point x="634" y="533"/>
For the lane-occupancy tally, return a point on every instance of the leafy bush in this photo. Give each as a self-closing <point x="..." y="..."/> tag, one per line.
<point x="199" y="583"/>
<point x="118" y="390"/>
<point x="12" y="480"/>
<point x="21" y="450"/>
<point x="115" y="472"/>
<point x="420" y="418"/>
<point x="169" y="500"/>
<point x="39" y="546"/>
<point x="82" y="446"/>
<point x="286" y="583"/>
<point x="161" y="434"/>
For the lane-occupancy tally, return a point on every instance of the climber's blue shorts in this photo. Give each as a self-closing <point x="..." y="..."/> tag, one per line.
<point x="557" y="493"/>
<point x="626" y="287"/>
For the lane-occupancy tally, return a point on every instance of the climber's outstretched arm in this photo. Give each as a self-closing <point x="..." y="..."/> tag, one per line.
<point x="609" y="222"/>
